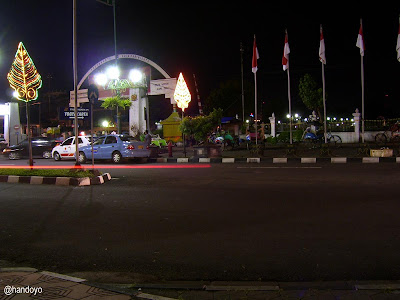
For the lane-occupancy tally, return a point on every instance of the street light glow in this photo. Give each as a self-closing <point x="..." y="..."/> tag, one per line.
<point x="113" y="72"/>
<point x="135" y="76"/>
<point x="100" y="79"/>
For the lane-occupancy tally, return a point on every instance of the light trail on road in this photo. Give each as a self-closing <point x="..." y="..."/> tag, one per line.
<point x="175" y="166"/>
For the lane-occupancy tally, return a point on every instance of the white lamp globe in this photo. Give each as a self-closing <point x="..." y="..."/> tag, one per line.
<point x="135" y="76"/>
<point x="113" y="72"/>
<point x="100" y="79"/>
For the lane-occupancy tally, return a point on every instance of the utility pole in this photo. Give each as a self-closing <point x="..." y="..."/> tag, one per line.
<point x="75" y="67"/>
<point x="241" y="61"/>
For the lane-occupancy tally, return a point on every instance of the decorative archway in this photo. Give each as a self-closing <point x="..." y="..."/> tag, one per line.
<point x="129" y="56"/>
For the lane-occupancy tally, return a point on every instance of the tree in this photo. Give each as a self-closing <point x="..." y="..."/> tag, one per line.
<point x="115" y="103"/>
<point x="201" y="126"/>
<point x="310" y="94"/>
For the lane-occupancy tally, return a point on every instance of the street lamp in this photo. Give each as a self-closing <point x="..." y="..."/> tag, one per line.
<point x="110" y="80"/>
<point x="113" y="72"/>
<point x="135" y="76"/>
<point x="101" y="79"/>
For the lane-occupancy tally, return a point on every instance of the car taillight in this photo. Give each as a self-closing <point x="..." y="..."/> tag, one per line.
<point x="130" y="147"/>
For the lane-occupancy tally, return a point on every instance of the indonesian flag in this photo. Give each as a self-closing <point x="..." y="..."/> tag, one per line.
<point x="360" y="40"/>
<point x="255" y="57"/>
<point x="286" y="51"/>
<point x="322" y="57"/>
<point x="398" y="43"/>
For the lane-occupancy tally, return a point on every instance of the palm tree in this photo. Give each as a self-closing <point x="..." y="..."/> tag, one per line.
<point x="116" y="102"/>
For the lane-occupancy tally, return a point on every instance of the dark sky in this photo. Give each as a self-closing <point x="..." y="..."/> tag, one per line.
<point x="204" y="38"/>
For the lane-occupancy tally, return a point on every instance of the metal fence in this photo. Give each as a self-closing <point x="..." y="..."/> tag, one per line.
<point x="338" y="125"/>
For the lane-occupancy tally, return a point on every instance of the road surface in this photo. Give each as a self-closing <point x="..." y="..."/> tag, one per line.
<point x="291" y="222"/>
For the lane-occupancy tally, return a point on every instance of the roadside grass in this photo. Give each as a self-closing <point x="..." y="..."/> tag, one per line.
<point x="48" y="172"/>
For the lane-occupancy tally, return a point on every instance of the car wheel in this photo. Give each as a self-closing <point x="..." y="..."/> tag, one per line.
<point x="116" y="157"/>
<point x="13" y="155"/>
<point x="57" y="156"/>
<point x="46" y="154"/>
<point x="82" y="157"/>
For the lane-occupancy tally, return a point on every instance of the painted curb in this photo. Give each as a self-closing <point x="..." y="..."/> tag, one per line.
<point x="278" y="160"/>
<point x="64" y="277"/>
<point x="64" y="181"/>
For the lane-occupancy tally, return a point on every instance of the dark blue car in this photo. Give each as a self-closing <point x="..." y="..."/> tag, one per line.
<point x="115" y="147"/>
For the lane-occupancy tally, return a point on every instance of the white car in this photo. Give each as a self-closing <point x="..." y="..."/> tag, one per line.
<point x="66" y="150"/>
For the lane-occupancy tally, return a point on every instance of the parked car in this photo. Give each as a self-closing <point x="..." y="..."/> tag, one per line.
<point x="114" y="147"/>
<point x="66" y="150"/>
<point x="41" y="147"/>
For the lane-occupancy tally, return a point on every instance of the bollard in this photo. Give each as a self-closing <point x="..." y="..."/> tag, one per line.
<point x="170" y="149"/>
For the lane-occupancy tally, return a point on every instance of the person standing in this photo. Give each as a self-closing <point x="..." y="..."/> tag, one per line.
<point x="147" y="137"/>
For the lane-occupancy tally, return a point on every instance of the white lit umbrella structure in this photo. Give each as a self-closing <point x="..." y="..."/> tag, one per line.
<point x="182" y="97"/>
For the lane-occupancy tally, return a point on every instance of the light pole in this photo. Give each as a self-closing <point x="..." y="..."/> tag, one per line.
<point x="241" y="68"/>
<point x="75" y="67"/>
<point x="117" y="91"/>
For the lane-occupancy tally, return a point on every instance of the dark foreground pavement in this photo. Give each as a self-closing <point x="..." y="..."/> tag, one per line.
<point x="227" y="222"/>
<point x="28" y="283"/>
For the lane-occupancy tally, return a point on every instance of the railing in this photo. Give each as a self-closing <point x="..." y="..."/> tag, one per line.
<point x="341" y="125"/>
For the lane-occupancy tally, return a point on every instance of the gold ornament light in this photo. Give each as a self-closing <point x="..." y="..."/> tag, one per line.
<point x="23" y="77"/>
<point x="182" y="95"/>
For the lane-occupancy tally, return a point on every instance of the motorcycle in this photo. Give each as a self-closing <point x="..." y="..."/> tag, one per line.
<point x="317" y="137"/>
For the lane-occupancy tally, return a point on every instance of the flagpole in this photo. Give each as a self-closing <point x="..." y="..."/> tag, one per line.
<point x="290" y="109"/>
<point x="289" y="97"/>
<point x="362" y="99"/>
<point x="362" y="90"/>
<point x="323" y="100"/>
<point x="322" y="58"/>
<point x="241" y="68"/>
<point x="255" y="103"/>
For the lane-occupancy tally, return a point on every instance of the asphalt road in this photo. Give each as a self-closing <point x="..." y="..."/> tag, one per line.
<point x="290" y="222"/>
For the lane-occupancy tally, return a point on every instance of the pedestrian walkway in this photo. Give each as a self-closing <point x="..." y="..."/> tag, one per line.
<point x="29" y="283"/>
<point x="349" y="151"/>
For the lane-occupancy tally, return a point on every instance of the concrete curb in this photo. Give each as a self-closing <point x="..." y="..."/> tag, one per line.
<point x="277" y="160"/>
<point x="66" y="181"/>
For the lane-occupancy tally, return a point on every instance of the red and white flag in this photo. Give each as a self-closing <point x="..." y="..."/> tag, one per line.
<point x="398" y="43"/>
<point x="360" y="40"/>
<point x="286" y="51"/>
<point x="322" y="57"/>
<point x="255" y="57"/>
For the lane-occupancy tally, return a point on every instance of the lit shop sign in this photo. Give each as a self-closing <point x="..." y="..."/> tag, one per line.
<point x="67" y="114"/>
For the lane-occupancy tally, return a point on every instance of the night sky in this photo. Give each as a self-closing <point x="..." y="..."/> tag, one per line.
<point x="204" y="38"/>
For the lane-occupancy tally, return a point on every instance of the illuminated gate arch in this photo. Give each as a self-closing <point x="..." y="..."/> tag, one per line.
<point x="129" y="56"/>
